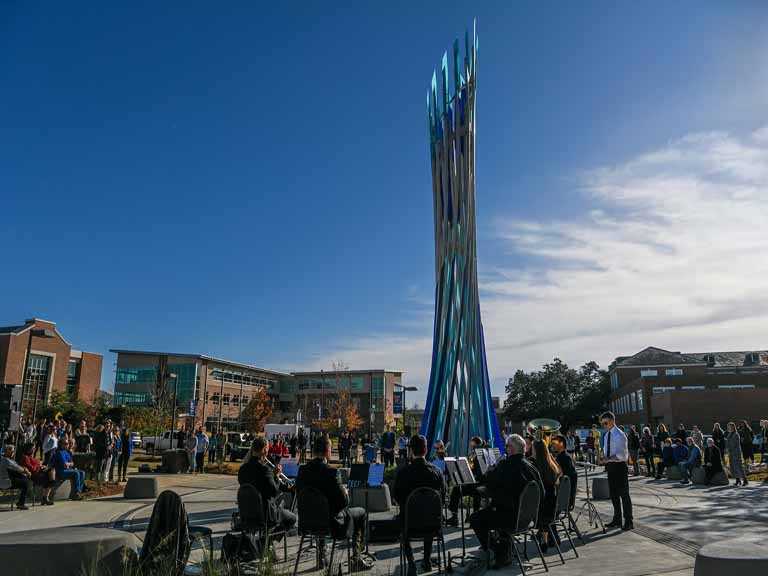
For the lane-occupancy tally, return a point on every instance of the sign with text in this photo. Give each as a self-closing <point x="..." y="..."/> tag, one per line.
<point x="397" y="402"/>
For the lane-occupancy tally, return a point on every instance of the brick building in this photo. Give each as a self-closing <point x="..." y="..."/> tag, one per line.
<point x="52" y="363"/>
<point x="699" y="388"/>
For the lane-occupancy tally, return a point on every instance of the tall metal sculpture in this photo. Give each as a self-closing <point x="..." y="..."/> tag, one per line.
<point x="459" y="403"/>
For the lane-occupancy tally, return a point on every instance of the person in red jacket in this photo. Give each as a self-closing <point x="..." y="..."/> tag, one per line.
<point x="38" y="473"/>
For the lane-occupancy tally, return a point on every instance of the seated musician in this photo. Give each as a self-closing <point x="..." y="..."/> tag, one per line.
<point x="439" y="450"/>
<point x="504" y="484"/>
<point x="318" y="475"/>
<point x="417" y="474"/>
<point x="470" y="490"/>
<point x="565" y="461"/>
<point x="257" y="472"/>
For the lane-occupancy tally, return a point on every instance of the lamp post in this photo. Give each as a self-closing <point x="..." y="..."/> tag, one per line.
<point x="405" y="406"/>
<point x="175" y="392"/>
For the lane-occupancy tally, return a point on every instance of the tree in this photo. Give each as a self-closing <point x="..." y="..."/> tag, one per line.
<point x="344" y="409"/>
<point x="257" y="411"/>
<point x="559" y="392"/>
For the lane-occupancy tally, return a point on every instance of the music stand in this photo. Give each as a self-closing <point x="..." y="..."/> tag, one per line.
<point x="461" y="476"/>
<point x="359" y="477"/>
<point x="594" y="515"/>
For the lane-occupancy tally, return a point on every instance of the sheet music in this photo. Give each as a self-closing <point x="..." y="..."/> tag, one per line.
<point x="465" y="471"/>
<point x="376" y="475"/>
<point x="290" y="467"/>
<point x="490" y="457"/>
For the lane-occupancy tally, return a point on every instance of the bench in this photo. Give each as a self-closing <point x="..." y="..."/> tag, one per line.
<point x="12" y="492"/>
<point x="63" y="489"/>
<point x="731" y="557"/>
<point x="175" y="461"/>
<point x="674" y="473"/>
<point x="698" y="476"/>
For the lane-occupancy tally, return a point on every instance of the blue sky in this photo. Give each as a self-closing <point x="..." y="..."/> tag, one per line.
<point x="251" y="180"/>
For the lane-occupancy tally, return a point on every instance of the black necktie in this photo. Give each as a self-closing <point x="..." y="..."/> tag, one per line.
<point x="608" y="448"/>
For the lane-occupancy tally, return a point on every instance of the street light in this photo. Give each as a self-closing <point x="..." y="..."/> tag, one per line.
<point x="175" y="392"/>
<point x="405" y="406"/>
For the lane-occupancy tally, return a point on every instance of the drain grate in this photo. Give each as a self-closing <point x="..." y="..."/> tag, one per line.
<point x="679" y="544"/>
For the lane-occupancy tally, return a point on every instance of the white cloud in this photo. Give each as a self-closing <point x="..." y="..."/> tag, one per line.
<point x="672" y="252"/>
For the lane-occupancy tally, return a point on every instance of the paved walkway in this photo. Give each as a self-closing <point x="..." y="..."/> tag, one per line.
<point x="672" y="522"/>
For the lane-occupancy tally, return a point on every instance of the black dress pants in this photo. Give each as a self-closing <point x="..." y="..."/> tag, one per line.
<point x="485" y="520"/>
<point x="618" y="486"/>
<point x="457" y="493"/>
<point x="21" y="483"/>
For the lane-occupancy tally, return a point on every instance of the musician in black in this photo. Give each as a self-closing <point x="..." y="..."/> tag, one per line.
<point x="417" y="474"/>
<point x="317" y="474"/>
<point x="470" y="490"/>
<point x="257" y="472"/>
<point x="565" y="461"/>
<point x="504" y="484"/>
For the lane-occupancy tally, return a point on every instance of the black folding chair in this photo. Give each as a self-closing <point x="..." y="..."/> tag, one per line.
<point x="422" y="519"/>
<point x="523" y="525"/>
<point x="253" y="518"/>
<point x="562" y="511"/>
<point x="315" y="522"/>
<point x="169" y="537"/>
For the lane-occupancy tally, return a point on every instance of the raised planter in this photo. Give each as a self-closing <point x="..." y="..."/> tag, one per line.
<point x="141" y="487"/>
<point x="175" y="461"/>
<point x="731" y="557"/>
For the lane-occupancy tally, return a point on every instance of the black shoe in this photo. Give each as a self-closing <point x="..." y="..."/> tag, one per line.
<point x="614" y="524"/>
<point x="22" y="506"/>
<point x="628" y="526"/>
<point x="452" y="521"/>
<point x="426" y="566"/>
<point x="503" y="559"/>
<point x="745" y="482"/>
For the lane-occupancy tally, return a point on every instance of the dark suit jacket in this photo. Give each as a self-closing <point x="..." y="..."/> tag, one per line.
<point x="317" y="474"/>
<point x="418" y="474"/>
<point x="506" y="481"/>
<point x="262" y="477"/>
<point x="569" y="469"/>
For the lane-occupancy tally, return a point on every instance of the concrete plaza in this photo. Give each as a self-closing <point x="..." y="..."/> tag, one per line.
<point x="672" y="523"/>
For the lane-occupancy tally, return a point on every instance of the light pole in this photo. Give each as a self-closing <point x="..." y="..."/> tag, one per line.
<point x="405" y="406"/>
<point x="175" y="392"/>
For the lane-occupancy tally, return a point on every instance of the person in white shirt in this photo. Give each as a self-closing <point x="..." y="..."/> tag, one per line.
<point x="615" y="455"/>
<point x="50" y="443"/>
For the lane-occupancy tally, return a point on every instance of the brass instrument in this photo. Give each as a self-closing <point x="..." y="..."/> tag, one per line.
<point x="543" y="429"/>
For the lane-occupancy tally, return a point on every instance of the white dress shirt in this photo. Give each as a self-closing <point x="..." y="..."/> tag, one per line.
<point x="619" y="450"/>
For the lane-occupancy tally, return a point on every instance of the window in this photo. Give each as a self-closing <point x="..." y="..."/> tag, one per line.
<point x="693" y="388"/>
<point x="662" y="389"/>
<point x="73" y="376"/>
<point x="736" y="386"/>
<point x="236" y="399"/>
<point x="640" y="400"/>
<point x="358" y="383"/>
<point x="215" y="398"/>
<point x="710" y="359"/>
<point x="614" y="380"/>
<point x="753" y="358"/>
<point x="38" y="376"/>
<point x="648" y="373"/>
<point x="674" y="372"/>
<point x="377" y="386"/>
<point x="633" y="402"/>
<point x="225" y="401"/>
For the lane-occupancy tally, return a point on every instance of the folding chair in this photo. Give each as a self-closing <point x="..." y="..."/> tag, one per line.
<point x="315" y="522"/>
<point x="422" y="519"/>
<point x="253" y="518"/>
<point x="562" y="510"/>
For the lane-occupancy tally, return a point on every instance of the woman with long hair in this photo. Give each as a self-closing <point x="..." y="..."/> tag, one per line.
<point x="718" y="436"/>
<point x="647" y="445"/>
<point x="747" y="437"/>
<point x="735" y="457"/>
<point x="661" y="435"/>
<point x="550" y="476"/>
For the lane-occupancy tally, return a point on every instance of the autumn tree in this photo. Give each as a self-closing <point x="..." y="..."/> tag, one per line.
<point x="345" y="409"/>
<point x="257" y="411"/>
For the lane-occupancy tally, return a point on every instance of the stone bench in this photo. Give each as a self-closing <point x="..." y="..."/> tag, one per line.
<point x="64" y="489"/>
<point x="600" y="490"/>
<point x="699" y="476"/>
<point x="378" y="498"/>
<point x="175" y="461"/>
<point x="673" y="473"/>
<point x="731" y="557"/>
<point x="141" y="487"/>
<point x="70" y="552"/>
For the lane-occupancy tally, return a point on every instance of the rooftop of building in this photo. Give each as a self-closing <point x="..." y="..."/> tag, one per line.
<point x="199" y="357"/>
<point x="653" y="356"/>
<point x="333" y="373"/>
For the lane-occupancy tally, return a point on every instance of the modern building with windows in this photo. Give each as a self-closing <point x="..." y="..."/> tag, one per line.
<point x="52" y="364"/>
<point x="701" y="388"/>
<point x="206" y="390"/>
<point x="372" y="391"/>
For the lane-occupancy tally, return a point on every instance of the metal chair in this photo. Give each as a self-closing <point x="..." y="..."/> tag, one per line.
<point x="523" y="525"/>
<point x="315" y="522"/>
<point x="422" y="519"/>
<point x="253" y="518"/>
<point x="562" y="511"/>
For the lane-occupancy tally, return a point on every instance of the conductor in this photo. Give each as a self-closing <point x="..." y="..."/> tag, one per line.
<point x="615" y="459"/>
<point x="317" y="474"/>
<point x="417" y="474"/>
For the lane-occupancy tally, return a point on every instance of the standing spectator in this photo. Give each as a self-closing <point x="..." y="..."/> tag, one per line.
<point x="126" y="450"/>
<point x="388" y="447"/>
<point x="633" y="445"/>
<point x="181" y="437"/>
<point x="682" y="433"/>
<point x="615" y="458"/>
<point x="302" y="442"/>
<point x="577" y="445"/>
<point x="101" y="448"/>
<point x="719" y="437"/>
<point x="735" y="457"/>
<point x="114" y="451"/>
<point x="30" y="432"/>
<point x="14" y="476"/>
<point x="190" y="445"/>
<point x="69" y="434"/>
<point x="402" y="448"/>
<point x="65" y="469"/>
<point x="202" y="448"/>
<point x="292" y="445"/>
<point x="661" y="435"/>
<point x="40" y="432"/>
<point x="570" y="443"/>
<point x="747" y="439"/>
<point x="764" y="440"/>
<point x="61" y="428"/>
<point x="50" y="443"/>
<point x="648" y="449"/>
<point x="221" y="446"/>
<point x="698" y="437"/>
<point x="212" y="447"/>
<point x="591" y="448"/>
<point x="82" y="438"/>
<point x="713" y="461"/>
<point x="693" y="461"/>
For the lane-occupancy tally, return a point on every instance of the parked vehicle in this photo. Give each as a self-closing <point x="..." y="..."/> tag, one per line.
<point x="136" y="439"/>
<point x="165" y="441"/>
